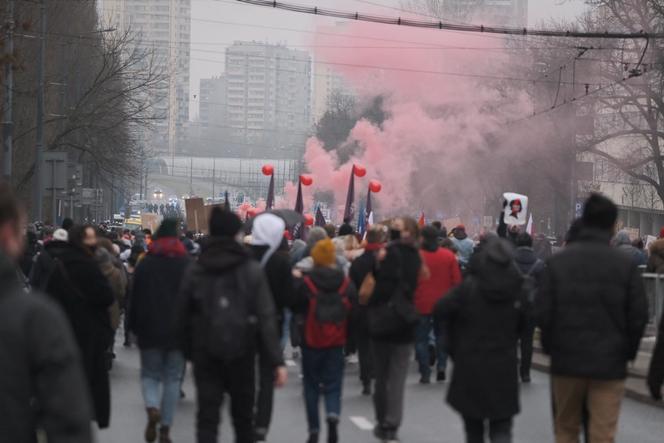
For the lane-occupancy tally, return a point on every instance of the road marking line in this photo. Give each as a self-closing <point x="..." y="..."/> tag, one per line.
<point x="291" y="363"/>
<point x="362" y="423"/>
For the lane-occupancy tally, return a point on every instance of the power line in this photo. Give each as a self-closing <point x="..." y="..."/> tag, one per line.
<point x="399" y="21"/>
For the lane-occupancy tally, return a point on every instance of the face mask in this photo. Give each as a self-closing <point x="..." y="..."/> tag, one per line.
<point x="395" y="234"/>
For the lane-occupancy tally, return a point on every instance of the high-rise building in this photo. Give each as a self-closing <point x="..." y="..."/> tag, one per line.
<point x="268" y="97"/>
<point x="164" y="27"/>
<point x="212" y="103"/>
<point x="490" y="12"/>
<point x="327" y="84"/>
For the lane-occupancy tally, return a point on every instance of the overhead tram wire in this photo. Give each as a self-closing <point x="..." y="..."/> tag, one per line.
<point x="400" y="21"/>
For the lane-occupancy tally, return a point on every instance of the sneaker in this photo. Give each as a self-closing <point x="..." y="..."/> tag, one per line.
<point x="313" y="438"/>
<point x="525" y="378"/>
<point x="164" y="435"/>
<point x="153" y="420"/>
<point x="380" y="433"/>
<point x="366" y="388"/>
<point x="425" y="380"/>
<point x="441" y="376"/>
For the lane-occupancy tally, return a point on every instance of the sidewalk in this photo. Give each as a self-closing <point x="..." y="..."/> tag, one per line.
<point x="636" y="388"/>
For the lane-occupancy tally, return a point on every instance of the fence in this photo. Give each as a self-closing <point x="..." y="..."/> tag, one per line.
<point x="654" y="285"/>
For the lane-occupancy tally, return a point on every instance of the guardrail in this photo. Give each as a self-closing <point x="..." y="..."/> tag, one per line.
<point x="654" y="285"/>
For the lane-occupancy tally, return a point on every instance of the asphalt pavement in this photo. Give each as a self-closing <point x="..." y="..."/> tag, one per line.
<point x="428" y="419"/>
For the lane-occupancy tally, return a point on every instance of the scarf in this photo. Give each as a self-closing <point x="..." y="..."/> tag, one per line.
<point x="167" y="247"/>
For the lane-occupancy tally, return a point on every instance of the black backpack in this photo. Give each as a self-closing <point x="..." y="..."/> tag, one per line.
<point x="529" y="285"/>
<point x="230" y="323"/>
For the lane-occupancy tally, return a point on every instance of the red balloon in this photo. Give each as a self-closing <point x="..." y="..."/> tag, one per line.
<point x="308" y="219"/>
<point x="375" y="186"/>
<point x="268" y="170"/>
<point x="306" y="180"/>
<point x="360" y="171"/>
<point x="251" y="212"/>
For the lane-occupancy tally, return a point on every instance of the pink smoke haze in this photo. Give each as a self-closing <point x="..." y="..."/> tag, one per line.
<point x="425" y="154"/>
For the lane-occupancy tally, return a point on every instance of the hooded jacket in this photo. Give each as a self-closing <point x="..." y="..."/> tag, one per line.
<point x="79" y="287"/>
<point x="623" y="242"/>
<point x="39" y="361"/>
<point x="464" y="247"/>
<point x="483" y="319"/>
<point x="444" y="274"/>
<point x="591" y="309"/>
<point x="221" y="259"/>
<point x="156" y="284"/>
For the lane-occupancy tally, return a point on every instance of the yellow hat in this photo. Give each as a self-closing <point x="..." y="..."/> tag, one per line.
<point x="324" y="253"/>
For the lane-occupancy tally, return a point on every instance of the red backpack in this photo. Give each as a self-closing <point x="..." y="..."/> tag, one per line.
<point x="326" y="321"/>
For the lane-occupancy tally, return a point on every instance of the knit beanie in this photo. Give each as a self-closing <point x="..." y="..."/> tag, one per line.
<point x="324" y="254"/>
<point x="167" y="228"/>
<point x="224" y="223"/>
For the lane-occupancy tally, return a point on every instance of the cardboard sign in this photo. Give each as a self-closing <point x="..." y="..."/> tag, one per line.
<point x="151" y="221"/>
<point x="196" y="215"/>
<point x="516" y="210"/>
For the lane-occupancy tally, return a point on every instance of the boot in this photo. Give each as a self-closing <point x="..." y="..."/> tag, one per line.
<point x="164" y="435"/>
<point x="332" y="430"/>
<point x="313" y="438"/>
<point x="153" y="420"/>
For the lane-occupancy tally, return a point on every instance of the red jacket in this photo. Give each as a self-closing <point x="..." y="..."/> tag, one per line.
<point x="444" y="274"/>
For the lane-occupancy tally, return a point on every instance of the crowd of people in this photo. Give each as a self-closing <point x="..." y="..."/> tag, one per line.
<point x="230" y="303"/>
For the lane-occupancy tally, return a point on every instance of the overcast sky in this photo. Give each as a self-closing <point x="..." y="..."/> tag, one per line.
<point x="215" y="24"/>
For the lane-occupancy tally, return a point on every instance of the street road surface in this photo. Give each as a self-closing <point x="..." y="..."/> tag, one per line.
<point x="427" y="419"/>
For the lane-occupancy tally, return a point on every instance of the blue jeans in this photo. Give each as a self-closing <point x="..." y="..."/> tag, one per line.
<point x="426" y="326"/>
<point x="323" y="371"/>
<point x="161" y="373"/>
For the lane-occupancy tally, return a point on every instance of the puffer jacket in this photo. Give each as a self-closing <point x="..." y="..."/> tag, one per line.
<point x="656" y="259"/>
<point x="591" y="309"/>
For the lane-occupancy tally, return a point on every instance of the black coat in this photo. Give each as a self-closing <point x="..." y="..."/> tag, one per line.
<point x="483" y="319"/>
<point x="656" y="372"/>
<point x="361" y="266"/>
<point x="279" y="273"/>
<point x="80" y="288"/>
<point x="591" y="309"/>
<point x="401" y="266"/>
<point x="219" y="262"/>
<point x="39" y="365"/>
<point x="156" y="285"/>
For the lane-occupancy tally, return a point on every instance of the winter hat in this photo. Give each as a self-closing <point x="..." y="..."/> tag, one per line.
<point x="324" y="254"/>
<point x="268" y="230"/>
<point x="315" y="235"/>
<point x="167" y="228"/>
<point x="224" y="223"/>
<point x="61" y="235"/>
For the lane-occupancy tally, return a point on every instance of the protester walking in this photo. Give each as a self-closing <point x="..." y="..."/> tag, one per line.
<point x="442" y="274"/>
<point x="656" y="371"/>
<point x="74" y="280"/>
<point x="392" y="323"/>
<point x="482" y="321"/>
<point x="623" y="243"/>
<point x="226" y="313"/>
<point x="656" y="259"/>
<point x="361" y="274"/>
<point x="156" y="283"/>
<point x="324" y="298"/>
<point x="531" y="269"/>
<point x="266" y="238"/>
<point x="463" y="245"/>
<point x="40" y="362"/>
<point x="592" y="312"/>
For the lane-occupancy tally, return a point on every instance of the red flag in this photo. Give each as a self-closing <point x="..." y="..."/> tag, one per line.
<point x="422" y="221"/>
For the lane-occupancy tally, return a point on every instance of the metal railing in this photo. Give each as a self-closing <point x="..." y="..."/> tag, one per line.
<point x="654" y="286"/>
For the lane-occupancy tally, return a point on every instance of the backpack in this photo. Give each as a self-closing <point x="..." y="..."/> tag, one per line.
<point x="325" y="325"/>
<point x="230" y="323"/>
<point x="529" y="286"/>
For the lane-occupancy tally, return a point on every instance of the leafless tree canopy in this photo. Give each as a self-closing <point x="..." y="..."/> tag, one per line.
<point x="100" y="92"/>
